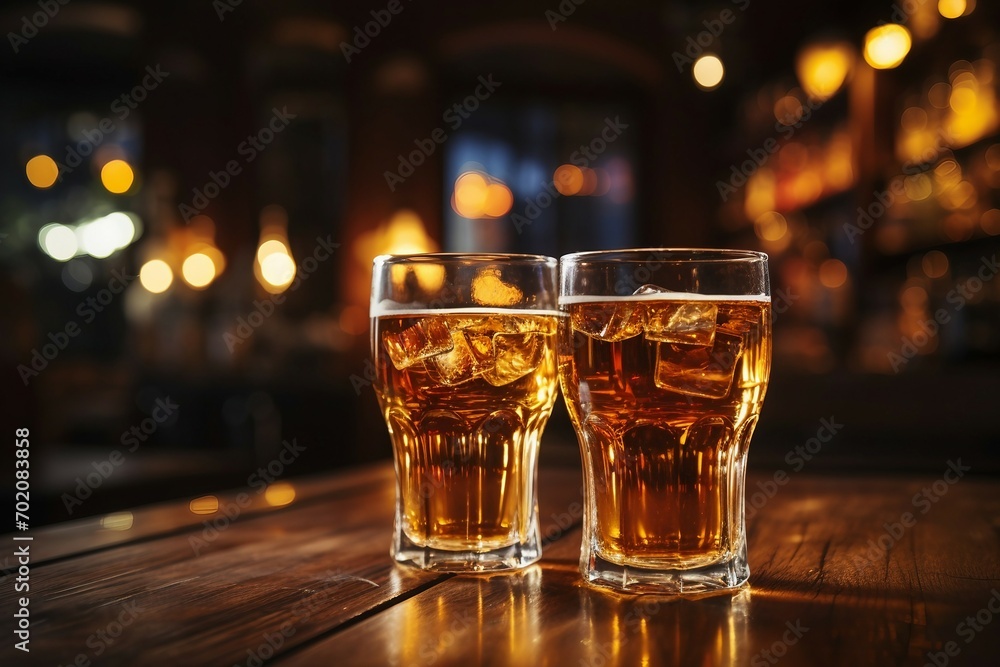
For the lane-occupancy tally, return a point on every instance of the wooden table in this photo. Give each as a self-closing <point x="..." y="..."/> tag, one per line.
<point x="310" y="582"/>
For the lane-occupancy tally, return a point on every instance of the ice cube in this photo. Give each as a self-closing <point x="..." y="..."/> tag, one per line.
<point x="610" y="322"/>
<point x="739" y="319"/>
<point x="683" y="322"/>
<point x="703" y="371"/>
<point x="515" y="355"/>
<point x="422" y="340"/>
<point x="469" y="356"/>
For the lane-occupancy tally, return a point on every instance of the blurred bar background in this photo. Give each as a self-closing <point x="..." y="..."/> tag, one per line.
<point x="193" y="194"/>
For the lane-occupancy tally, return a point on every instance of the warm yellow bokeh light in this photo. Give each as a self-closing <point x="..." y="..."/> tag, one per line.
<point x="471" y="190"/>
<point x="156" y="276"/>
<point x="771" y="226"/>
<point x="198" y="270"/>
<point x="951" y="9"/>
<point x="708" y="71"/>
<point x="887" y="45"/>
<point x="277" y="269"/>
<point x="117" y="176"/>
<point x="499" y="200"/>
<point x="117" y="521"/>
<point x="270" y="247"/>
<point x="354" y="320"/>
<point x="823" y="68"/>
<point x="568" y="179"/>
<point x="788" y="110"/>
<point x="204" y="505"/>
<point x="279" y="494"/>
<point x="832" y="273"/>
<point x="42" y="171"/>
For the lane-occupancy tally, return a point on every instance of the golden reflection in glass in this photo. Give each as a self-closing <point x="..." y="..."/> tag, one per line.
<point x="279" y="494"/>
<point x="42" y="171"/>
<point x="886" y="46"/>
<point x="204" y="505"/>
<point x="117" y="521"/>
<point x="822" y="68"/>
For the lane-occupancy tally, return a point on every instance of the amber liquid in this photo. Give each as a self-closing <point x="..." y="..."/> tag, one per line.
<point x="465" y="422"/>
<point x="664" y="425"/>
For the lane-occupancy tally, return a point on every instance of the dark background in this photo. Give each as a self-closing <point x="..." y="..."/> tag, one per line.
<point x="244" y="382"/>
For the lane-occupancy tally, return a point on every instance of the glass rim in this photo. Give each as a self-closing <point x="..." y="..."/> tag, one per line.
<point x="683" y="255"/>
<point x="470" y="257"/>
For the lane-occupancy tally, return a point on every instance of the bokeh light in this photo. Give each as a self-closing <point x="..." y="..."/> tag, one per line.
<point x="887" y="45"/>
<point x="198" y="270"/>
<point x="990" y="222"/>
<point x="770" y="226"/>
<point x="822" y="68"/>
<point x="568" y="179"/>
<point x="117" y="176"/>
<point x="58" y="242"/>
<point x="204" y="505"/>
<point x="470" y="194"/>
<point x="42" y="171"/>
<point x="279" y="494"/>
<point x="832" y="273"/>
<point x="951" y="9"/>
<point x="708" y="71"/>
<point x="156" y="276"/>
<point x="934" y="264"/>
<point x="277" y="269"/>
<point x="478" y="195"/>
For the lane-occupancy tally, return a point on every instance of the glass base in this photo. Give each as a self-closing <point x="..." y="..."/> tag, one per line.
<point x="717" y="576"/>
<point x="512" y="557"/>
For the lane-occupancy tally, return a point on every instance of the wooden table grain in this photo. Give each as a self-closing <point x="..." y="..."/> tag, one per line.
<point x="847" y="570"/>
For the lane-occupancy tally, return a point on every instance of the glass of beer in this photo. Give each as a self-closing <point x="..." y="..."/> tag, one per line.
<point x="464" y="347"/>
<point x="664" y="358"/>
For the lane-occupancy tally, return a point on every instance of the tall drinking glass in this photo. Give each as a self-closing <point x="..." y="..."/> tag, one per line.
<point x="465" y="361"/>
<point x="664" y="358"/>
